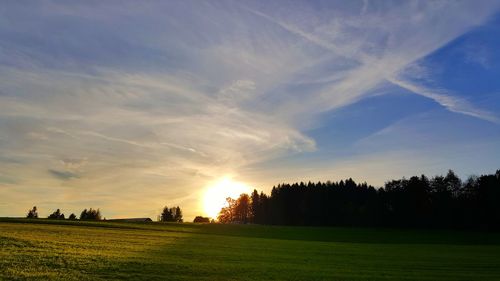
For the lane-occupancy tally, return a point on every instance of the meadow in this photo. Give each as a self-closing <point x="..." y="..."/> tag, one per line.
<point x="73" y="250"/>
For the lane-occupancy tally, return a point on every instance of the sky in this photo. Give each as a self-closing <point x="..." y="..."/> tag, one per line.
<point x="129" y="106"/>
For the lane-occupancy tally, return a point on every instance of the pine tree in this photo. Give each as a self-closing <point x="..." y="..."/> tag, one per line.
<point x="166" y="214"/>
<point x="178" y="214"/>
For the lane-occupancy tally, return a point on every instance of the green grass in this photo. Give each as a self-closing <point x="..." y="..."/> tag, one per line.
<point x="64" y="250"/>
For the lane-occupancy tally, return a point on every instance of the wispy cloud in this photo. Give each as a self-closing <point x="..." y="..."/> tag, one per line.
<point x="450" y="102"/>
<point x="64" y="175"/>
<point x="130" y="97"/>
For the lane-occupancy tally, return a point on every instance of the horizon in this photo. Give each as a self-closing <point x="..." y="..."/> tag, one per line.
<point x="133" y="106"/>
<point x="212" y="210"/>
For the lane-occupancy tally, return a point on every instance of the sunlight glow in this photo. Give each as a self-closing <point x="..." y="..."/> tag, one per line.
<point x="215" y="195"/>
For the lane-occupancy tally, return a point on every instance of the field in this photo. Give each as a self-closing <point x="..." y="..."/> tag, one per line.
<point x="64" y="250"/>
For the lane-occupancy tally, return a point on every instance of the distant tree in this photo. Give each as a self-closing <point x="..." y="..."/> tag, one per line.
<point x="178" y="214"/>
<point x="83" y="214"/>
<point x="72" y="217"/>
<point x="90" y="214"/>
<point x="171" y="214"/>
<point x="56" y="215"/>
<point x="200" y="219"/>
<point x="33" y="213"/>
<point x="166" y="214"/>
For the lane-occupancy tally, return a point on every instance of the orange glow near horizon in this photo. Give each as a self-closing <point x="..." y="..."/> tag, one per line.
<point x="215" y="195"/>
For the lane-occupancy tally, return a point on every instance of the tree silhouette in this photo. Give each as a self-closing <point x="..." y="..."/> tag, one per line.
<point x="171" y="214"/>
<point x="438" y="202"/>
<point x="166" y="214"/>
<point x="56" y="215"/>
<point x="33" y="213"/>
<point x="178" y="214"/>
<point x="453" y="183"/>
<point x="90" y="214"/>
<point x="242" y="209"/>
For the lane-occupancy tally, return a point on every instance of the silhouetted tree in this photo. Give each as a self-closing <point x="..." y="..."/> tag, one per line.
<point x="166" y="214"/>
<point x="242" y="209"/>
<point x="256" y="207"/>
<point x="90" y="214"/>
<point x="453" y="183"/>
<point x="33" y="213"/>
<point x="171" y="214"/>
<point x="72" y="217"/>
<point x="56" y="215"/>
<point x="439" y="202"/>
<point x="178" y="214"/>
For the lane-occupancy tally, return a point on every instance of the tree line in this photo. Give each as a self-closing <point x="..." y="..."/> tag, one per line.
<point x="90" y="214"/>
<point x="437" y="202"/>
<point x="167" y="215"/>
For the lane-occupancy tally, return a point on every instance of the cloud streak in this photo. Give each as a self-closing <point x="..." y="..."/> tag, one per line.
<point x="448" y="101"/>
<point x="63" y="175"/>
<point x="163" y="98"/>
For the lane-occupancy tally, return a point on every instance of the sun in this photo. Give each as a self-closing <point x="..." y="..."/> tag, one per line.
<point x="215" y="195"/>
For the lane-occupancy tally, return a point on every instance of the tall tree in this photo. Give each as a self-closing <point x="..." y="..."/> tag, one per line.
<point x="178" y="214"/>
<point x="242" y="210"/>
<point x="256" y="207"/>
<point x="441" y="202"/>
<point x="453" y="183"/>
<point x="166" y="214"/>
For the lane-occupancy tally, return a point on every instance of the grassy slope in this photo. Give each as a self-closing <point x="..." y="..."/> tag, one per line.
<point x="53" y="250"/>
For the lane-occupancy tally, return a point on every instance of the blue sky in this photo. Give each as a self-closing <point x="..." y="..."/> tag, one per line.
<point x="129" y="106"/>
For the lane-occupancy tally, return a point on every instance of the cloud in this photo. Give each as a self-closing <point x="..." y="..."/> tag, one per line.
<point x="237" y="91"/>
<point x="63" y="175"/>
<point x="450" y="102"/>
<point x="478" y="54"/>
<point x="74" y="163"/>
<point x="163" y="98"/>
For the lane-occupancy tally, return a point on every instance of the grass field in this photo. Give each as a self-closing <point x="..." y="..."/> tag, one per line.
<point x="64" y="250"/>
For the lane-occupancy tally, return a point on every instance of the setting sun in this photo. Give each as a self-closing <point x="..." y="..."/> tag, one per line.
<point x="215" y="195"/>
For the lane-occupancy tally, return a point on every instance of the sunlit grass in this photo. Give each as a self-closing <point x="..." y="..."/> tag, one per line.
<point x="69" y="252"/>
<point x="54" y="250"/>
